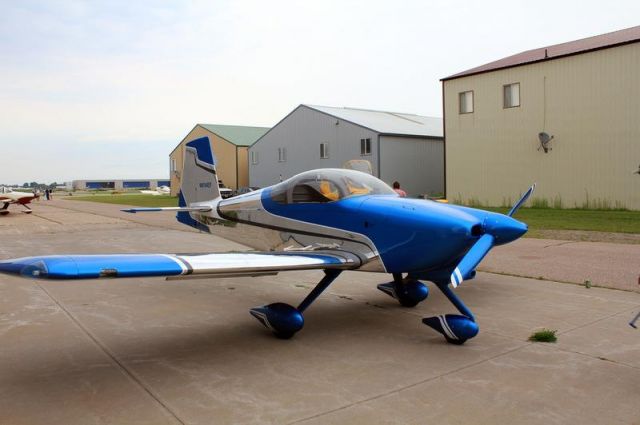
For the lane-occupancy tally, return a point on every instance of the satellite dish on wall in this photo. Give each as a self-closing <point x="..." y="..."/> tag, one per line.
<point x="545" y="139"/>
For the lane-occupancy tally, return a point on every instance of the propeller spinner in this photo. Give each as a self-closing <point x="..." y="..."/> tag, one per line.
<point x="499" y="229"/>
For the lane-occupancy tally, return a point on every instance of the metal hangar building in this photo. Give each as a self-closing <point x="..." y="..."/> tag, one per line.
<point x="565" y="116"/>
<point x="400" y="147"/>
<point x="118" y="184"/>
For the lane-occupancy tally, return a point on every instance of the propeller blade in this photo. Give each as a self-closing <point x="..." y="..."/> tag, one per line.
<point x="522" y="200"/>
<point x="471" y="260"/>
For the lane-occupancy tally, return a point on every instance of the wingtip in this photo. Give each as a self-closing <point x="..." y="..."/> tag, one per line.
<point x="26" y="267"/>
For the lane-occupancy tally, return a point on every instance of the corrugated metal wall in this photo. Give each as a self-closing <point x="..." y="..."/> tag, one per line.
<point x="589" y="102"/>
<point x="301" y="133"/>
<point x="416" y="163"/>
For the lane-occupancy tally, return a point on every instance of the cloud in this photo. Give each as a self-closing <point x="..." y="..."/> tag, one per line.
<point x="132" y="78"/>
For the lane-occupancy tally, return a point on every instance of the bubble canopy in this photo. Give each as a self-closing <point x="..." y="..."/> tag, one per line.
<point x="328" y="185"/>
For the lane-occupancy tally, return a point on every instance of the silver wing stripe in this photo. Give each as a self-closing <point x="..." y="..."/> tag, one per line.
<point x="186" y="267"/>
<point x="241" y="262"/>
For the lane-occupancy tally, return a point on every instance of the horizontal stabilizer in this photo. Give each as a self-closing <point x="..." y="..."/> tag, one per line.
<point x="177" y="209"/>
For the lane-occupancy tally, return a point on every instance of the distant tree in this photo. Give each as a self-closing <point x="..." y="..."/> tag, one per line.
<point x="25" y="185"/>
<point x="33" y="185"/>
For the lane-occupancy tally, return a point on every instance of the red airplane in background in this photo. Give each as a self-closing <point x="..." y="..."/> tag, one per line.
<point x="8" y="197"/>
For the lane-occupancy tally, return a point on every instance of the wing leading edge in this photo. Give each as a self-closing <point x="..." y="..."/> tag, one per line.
<point x="205" y="265"/>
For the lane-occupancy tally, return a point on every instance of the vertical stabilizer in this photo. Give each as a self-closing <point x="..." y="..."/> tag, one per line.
<point x="199" y="180"/>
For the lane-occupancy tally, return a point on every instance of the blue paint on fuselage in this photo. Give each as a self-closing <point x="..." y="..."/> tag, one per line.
<point x="504" y="229"/>
<point x="409" y="234"/>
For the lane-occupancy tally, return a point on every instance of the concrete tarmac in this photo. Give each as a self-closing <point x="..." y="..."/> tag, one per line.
<point x="187" y="352"/>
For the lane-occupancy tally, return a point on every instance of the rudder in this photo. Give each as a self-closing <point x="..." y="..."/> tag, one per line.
<point x="199" y="179"/>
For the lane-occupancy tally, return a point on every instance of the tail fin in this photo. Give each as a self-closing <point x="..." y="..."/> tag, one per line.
<point x="199" y="179"/>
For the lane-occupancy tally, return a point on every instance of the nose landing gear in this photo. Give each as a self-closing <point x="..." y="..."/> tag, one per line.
<point x="455" y="328"/>
<point x="409" y="291"/>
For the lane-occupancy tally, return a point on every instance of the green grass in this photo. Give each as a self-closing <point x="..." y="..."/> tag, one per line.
<point x="577" y="219"/>
<point x="137" y="200"/>
<point x="544" y="335"/>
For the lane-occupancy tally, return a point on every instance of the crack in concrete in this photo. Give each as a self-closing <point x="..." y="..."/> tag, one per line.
<point x="591" y="356"/>
<point x="415" y="384"/>
<point x="584" y="325"/>
<point x="116" y="362"/>
<point x="546" y="279"/>
<point x="48" y="219"/>
<point x="524" y="345"/>
<point x="560" y="244"/>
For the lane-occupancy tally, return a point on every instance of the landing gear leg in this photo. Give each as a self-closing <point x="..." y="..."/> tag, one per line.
<point x="632" y="323"/>
<point x="285" y="320"/>
<point x="456" y="328"/>
<point x="28" y="211"/>
<point x="409" y="292"/>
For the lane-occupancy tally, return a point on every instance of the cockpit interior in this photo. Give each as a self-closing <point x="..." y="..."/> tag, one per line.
<point x="328" y="185"/>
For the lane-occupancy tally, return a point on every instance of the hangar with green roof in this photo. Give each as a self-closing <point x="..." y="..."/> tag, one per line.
<point x="230" y="143"/>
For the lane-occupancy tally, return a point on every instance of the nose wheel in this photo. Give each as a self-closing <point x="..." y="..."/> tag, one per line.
<point x="455" y="328"/>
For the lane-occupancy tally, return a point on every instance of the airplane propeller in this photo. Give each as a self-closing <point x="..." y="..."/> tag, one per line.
<point x="522" y="200"/>
<point x="498" y="229"/>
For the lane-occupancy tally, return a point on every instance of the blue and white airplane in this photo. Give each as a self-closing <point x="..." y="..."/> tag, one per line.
<point x="328" y="219"/>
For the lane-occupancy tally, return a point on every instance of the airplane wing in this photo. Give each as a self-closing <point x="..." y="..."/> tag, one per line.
<point x="177" y="265"/>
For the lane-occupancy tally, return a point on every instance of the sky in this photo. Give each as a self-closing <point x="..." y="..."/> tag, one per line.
<point x="106" y="89"/>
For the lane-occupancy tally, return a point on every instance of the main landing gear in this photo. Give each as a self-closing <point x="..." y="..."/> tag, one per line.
<point x="285" y="320"/>
<point x="455" y="328"/>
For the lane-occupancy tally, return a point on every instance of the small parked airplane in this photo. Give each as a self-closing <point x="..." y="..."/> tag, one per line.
<point x="8" y="197"/>
<point x="161" y="190"/>
<point x="327" y="219"/>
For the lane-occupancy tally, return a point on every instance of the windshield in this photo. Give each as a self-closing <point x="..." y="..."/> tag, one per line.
<point x="328" y="185"/>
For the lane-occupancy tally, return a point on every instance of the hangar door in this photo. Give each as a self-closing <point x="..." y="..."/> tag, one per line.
<point x="417" y="163"/>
